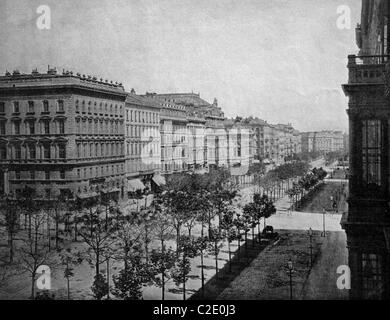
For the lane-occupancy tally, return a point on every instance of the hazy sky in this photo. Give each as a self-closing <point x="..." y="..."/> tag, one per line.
<point x="281" y="60"/>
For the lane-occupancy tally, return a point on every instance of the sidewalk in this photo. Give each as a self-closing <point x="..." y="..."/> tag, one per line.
<point x="321" y="283"/>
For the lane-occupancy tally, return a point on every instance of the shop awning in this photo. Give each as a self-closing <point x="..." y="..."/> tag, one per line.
<point x="159" y="180"/>
<point x="134" y="185"/>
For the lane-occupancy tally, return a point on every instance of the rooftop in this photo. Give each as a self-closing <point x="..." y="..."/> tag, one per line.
<point x="52" y="77"/>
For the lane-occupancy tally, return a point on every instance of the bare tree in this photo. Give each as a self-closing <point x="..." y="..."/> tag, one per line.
<point x="34" y="251"/>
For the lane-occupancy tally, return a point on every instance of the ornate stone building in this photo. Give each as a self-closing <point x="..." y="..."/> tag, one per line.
<point x="211" y="118"/>
<point x="143" y="143"/>
<point x="61" y="134"/>
<point x="174" y="134"/>
<point x="196" y="128"/>
<point x="367" y="222"/>
<point x="322" y="141"/>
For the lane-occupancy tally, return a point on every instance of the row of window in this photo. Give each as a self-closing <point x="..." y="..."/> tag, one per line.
<point x="93" y="107"/>
<point x="174" y="166"/>
<point x="142" y="148"/>
<point x="141" y="131"/>
<point x="30" y="152"/>
<point x="30" y="127"/>
<point x="142" y="116"/>
<point x="99" y="149"/>
<point x="98" y="126"/>
<point x="47" y="193"/>
<point x="33" y="175"/>
<point x="173" y="153"/>
<point x="170" y="112"/>
<point x="31" y="106"/>
<point x="93" y="172"/>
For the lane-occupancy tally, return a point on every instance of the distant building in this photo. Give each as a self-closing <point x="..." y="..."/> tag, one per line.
<point x="174" y="134"/>
<point x="196" y="128"/>
<point x="272" y="143"/>
<point x="238" y="137"/>
<point x="201" y="114"/>
<point x="322" y="141"/>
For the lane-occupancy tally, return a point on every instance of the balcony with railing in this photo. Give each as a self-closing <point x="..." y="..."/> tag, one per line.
<point x="367" y="69"/>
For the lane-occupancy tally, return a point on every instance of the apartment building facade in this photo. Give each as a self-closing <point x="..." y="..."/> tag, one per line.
<point x="322" y="141"/>
<point x="143" y="143"/>
<point x="61" y="134"/>
<point x="173" y="133"/>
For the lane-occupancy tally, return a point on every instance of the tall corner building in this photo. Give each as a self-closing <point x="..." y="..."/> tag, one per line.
<point x="61" y="134"/>
<point x="367" y="223"/>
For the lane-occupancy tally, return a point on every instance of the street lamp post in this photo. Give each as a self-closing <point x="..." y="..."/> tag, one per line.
<point x="311" y="247"/>
<point x="290" y="268"/>
<point x="323" y="233"/>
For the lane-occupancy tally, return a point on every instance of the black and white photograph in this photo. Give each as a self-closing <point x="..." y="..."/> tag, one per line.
<point x="180" y="151"/>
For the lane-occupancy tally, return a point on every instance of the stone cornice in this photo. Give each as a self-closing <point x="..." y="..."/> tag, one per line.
<point x="61" y="89"/>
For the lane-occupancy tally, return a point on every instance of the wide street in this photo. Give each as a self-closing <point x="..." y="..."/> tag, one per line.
<point x="320" y="282"/>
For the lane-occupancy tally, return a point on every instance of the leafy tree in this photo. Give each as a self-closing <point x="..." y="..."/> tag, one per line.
<point x="254" y="211"/>
<point x="177" y="204"/>
<point x="163" y="262"/>
<point x="222" y="192"/>
<point x="245" y="222"/>
<point x="99" y="287"/>
<point x="188" y="249"/>
<point x="128" y="241"/>
<point x="129" y="282"/>
<point x="202" y="207"/>
<point x="229" y="229"/>
<point x="215" y="240"/>
<point x="69" y="259"/>
<point x="239" y="225"/>
<point x="146" y="219"/>
<point x="96" y="235"/>
<point x="269" y="209"/>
